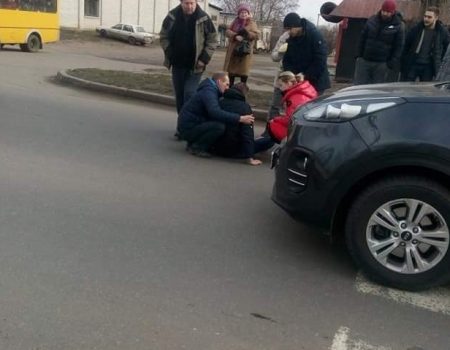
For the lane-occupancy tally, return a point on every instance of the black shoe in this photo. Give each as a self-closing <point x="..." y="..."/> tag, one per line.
<point x="177" y="136"/>
<point x="202" y="154"/>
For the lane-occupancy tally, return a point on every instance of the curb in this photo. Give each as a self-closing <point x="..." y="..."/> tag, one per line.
<point x="64" y="77"/>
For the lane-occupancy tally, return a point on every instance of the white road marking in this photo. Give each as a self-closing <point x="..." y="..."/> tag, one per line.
<point x="435" y="300"/>
<point x="342" y="341"/>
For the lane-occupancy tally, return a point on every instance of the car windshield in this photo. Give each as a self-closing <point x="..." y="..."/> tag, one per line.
<point x="140" y="30"/>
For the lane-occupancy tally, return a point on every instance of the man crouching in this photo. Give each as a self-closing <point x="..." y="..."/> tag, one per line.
<point x="202" y="121"/>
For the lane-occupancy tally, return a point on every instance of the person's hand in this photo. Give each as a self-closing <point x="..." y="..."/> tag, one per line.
<point x="200" y="64"/>
<point x="300" y="77"/>
<point x="248" y="119"/>
<point x="283" y="48"/>
<point x="239" y="37"/>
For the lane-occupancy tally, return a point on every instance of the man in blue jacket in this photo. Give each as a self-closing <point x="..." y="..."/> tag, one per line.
<point x="201" y="121"/>
<point x="306" y="52"/>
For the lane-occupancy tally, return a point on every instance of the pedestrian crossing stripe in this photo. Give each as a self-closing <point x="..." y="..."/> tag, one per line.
<point x="342" y="341"/>
<point x="435" y="300"/>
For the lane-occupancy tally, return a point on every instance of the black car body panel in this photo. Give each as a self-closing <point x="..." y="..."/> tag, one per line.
<point x="340" y="154"/>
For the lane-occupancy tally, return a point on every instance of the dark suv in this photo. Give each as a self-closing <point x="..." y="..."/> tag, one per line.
<point x="372" y="162"/>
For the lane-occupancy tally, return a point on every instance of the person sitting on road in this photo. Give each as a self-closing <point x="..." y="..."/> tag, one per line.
<point x="238" y="140"/>
<point x="296" y="92"/>
<point x="202" y="121"/>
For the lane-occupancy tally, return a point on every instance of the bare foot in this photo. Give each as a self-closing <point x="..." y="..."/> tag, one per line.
<point x="253" y="161"/>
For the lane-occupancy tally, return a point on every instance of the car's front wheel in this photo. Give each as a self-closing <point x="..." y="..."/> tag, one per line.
<point x="131" y="40"/>
<point x="397" y="231"/>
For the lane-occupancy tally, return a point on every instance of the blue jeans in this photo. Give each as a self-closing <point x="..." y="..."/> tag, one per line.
<point x="185" y="83"/>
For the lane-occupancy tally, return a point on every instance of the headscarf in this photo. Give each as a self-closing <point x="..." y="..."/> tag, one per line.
<point x="239" y="24"/>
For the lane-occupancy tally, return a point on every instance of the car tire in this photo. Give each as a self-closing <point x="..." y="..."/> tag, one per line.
<point x="103" y="33"/>
<point x="33" y="44"/>
<point x="131" y="40"/>
<point x="397" y="231"/>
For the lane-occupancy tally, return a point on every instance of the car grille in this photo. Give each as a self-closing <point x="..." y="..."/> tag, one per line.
<point x="297" y="175"/>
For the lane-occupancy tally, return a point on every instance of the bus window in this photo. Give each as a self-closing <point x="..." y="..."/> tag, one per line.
<point x="8" y="4"/>
<point x="38" y="5"/>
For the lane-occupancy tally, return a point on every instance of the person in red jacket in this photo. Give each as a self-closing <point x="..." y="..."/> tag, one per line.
<point x="296" y="92"/>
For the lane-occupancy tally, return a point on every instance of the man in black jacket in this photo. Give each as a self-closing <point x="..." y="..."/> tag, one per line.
<point x="306" y="52"/>
<point x="380" y="45"/>
<point x="425" y="46"/>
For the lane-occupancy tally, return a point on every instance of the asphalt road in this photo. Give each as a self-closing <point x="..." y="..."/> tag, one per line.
<point x="113" y="237"/>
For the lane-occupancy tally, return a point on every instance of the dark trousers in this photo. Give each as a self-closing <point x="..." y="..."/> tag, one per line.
<point x="422" y="71"/>
<point x="369" y="72"/>
<point x="232" y="77"/>
<point x="202" y="136"/>
<point x="263" y="143"/>
<point x="250" y="146"/>
<point x="185" y="83"/>
<point x="276" y="105"/>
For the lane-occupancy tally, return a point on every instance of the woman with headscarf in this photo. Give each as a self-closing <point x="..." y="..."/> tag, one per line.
<point x="242" y="29"/>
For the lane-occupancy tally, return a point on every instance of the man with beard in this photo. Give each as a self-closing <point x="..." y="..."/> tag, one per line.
<point x="425" y="45"/>
<point x="380" y="45"/>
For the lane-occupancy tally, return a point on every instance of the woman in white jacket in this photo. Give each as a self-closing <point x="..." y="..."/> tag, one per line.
<point x="277" y="55"/>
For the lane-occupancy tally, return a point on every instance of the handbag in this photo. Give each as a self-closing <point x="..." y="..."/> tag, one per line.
<point x="242" y="48"/>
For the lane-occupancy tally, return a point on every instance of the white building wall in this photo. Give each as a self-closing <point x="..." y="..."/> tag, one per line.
<point x="148" y="13"/>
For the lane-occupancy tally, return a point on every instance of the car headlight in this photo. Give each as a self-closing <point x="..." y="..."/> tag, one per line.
<point x="348" y="109"/>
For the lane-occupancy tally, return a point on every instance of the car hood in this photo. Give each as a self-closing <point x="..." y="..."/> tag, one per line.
<point x="404" y="90"/>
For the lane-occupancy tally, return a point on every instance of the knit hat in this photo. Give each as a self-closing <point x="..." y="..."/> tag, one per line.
<point x="292" y="20"/>
<point x="243" y="7"/>
<point x="389" y="6"/>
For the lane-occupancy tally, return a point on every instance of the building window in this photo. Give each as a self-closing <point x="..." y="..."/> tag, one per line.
<point x="214" y="18"/>
<point x="91" y="8"/>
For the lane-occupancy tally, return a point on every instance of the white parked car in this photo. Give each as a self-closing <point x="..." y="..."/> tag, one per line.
<point x="131" y="33"/>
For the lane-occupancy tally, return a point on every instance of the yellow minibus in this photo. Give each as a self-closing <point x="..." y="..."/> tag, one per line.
<point x="28" y="23"/>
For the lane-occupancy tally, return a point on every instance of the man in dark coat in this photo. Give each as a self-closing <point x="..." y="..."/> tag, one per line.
<point x="380" y="45"/>
<point x="202" y="121"/>
<point x="425" y="46"/>
<point x="188" y="38"/>
<point x="306" y="52"/>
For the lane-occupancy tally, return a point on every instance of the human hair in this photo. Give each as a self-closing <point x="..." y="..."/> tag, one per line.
<point x="219" y="75"/>
<point x="287" y="77"/>
<point x="433" y="9"/>
<point x="242" y="87"/>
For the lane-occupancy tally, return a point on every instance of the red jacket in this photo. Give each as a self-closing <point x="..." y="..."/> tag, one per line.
<point x="295" y="96"/>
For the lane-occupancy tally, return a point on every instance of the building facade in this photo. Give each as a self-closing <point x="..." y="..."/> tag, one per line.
<point x="88" y="14"/>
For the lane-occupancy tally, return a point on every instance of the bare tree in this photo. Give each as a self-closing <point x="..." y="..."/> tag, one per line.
<point x="266" y="11"/>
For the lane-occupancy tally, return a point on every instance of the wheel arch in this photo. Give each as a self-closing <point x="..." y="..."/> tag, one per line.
<point x="36" y="32"/>
<point x="342" y="209"/>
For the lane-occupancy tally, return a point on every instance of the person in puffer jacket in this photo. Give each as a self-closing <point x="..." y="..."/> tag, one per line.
<point x="295" y="93"/>
<point x="380" y="45"/>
